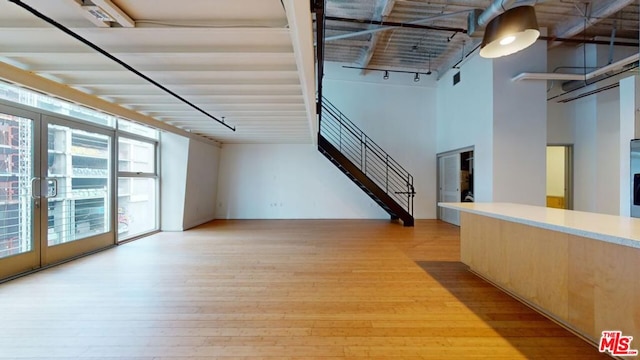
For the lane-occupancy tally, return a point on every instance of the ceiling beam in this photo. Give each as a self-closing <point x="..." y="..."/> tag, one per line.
<point x="149" y="68"/>
<point x="167" y="53"/>
<point x="389" y="25"/>
<point x="39" y="46"/>
<point x="183" y="82"/>
<point x="383" y="9"/>
<point x="220" y="108"/>
<point x="199" y="88"/>
<point x="194" y="118"/>
<point x="166" y="112"/>
<point x="602" y="10"/>
<point x="245" y="101"/>
<point x="169" y="77"/>
<point x="198" y="92"/>
<point x="29" y="80"/>
<point x="300" y="29"/>
<point x="295" y="125"/>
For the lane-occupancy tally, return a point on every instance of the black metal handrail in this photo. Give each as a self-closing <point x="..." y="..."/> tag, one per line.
<point x="368" y="156"/>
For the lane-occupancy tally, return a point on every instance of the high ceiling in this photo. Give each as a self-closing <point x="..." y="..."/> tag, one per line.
<point x="251" y="61"/>
<point x="412" y="49"/>
<point x="241" y="60"/>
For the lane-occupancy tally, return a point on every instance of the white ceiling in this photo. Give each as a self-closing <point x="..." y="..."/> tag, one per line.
<point x="244" y="60"/>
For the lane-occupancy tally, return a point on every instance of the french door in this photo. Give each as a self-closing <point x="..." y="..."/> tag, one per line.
<point x="56" y="197"/>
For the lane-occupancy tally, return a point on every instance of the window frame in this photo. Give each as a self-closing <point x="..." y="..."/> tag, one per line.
<point x="120" y="134"/>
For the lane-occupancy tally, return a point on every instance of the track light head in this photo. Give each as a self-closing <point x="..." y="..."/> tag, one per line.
<point x="386" y="75"/>
<point x="416" y="78"/>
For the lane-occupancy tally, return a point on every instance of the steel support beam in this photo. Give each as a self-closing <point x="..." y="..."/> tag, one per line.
<point x="383" y="10"/>
<point x="601" y="10"/>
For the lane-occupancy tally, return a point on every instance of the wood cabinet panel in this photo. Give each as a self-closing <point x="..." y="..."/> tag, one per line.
<point x="585" y="284"/>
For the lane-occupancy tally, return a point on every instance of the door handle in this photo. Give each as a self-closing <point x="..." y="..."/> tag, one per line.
<point x="34" y="196"/>
<point x="33" y="191"/>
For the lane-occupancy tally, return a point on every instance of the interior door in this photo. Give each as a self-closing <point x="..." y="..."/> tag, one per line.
<point x="449" y="186"/>
<point x="79" y="189"/>
<point x="19" y="189"/>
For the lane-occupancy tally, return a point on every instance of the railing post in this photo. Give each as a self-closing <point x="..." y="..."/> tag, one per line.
<point x="364" y="157"/>
<point x="363" y="153"/>
<point x="411" y="192"/>
<point x="340" y="135"/>
<point x="386" y="180"/>
<point x="319" y="112"/>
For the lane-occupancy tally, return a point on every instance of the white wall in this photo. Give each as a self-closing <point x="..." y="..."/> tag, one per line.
<point x="559" y="116"/>
<point x="489" y="111"/>
<point x="174" y="155"/>
<point x="560" y="124"/>
<point x="296" y="181"/>
<point x="189" y="176"/>
<point x="629" y="129"/>
<point x="465" y="118"/>
<point x="201" y="184"/>
<point x="595" y="132"/>
<point x="287" y="182"/>
<point x="520" y="128"/>
<point x="607" y="190"/>
<point x="585" y="154"/>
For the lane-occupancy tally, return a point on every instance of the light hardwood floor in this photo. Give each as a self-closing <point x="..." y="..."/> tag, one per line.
<point x="276" y="290"/>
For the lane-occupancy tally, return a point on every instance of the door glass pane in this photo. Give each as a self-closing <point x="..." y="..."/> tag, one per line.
<point x="78" y="184"/>
<point x="136" y="206"/>
<point x="136" y="156"/>
<point x="16" y="172"/>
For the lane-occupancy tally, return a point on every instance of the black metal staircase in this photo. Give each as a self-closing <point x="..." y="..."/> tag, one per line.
<point x="366" y="164"/>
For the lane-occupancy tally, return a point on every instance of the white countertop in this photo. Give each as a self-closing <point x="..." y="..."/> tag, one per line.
<point x="614" y="229"/>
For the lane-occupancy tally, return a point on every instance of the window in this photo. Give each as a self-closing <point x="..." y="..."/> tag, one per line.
<point x="137" y="129"/>
<point x="137" y="180"/>
<point x="31" y="98"/>
<point x="87" y="159"/>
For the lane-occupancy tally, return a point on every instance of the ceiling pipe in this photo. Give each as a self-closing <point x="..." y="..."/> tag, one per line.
<point x="386" y="27"/>
<point x="494" y="9"/>
<point x="497" y="7"/>
<point x="555" y="76"/>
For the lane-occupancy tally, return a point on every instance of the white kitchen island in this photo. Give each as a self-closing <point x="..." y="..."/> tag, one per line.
<point x="580" y="269"/>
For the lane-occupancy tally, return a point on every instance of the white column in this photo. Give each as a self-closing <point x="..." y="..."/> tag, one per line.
<point x="520" y="128"/>
<point x="174" y="156"/>
<point x="629" y="129"/>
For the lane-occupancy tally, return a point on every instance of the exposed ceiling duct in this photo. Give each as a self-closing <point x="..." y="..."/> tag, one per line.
<point x="384" y="27"/>
<point x="478" y="20"/>
<point x="496" y="8"/>
<point x="409" y="49"/>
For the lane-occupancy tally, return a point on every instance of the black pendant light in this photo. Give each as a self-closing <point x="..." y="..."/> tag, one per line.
<point x="510" y="32"/>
